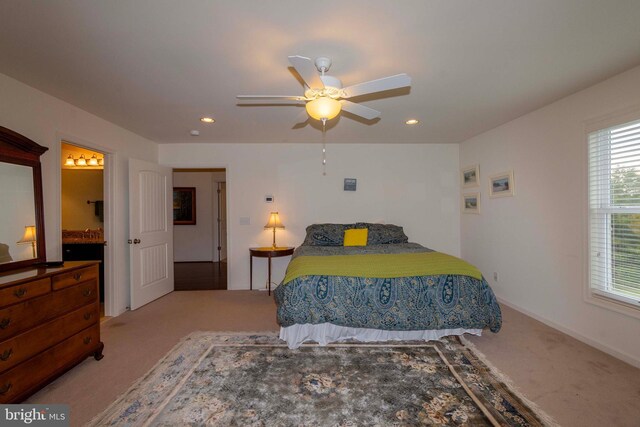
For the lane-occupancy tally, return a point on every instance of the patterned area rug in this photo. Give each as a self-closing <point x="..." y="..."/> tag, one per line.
<point x="215" y="379"/>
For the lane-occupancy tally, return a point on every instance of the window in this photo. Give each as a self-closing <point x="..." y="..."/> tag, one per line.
<point x="614" y="212"/>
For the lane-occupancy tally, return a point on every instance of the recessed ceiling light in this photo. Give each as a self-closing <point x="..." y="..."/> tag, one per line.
<point x="412" y="122"/>
<point x="207" y="120"/>
<point x="195" y="132"/>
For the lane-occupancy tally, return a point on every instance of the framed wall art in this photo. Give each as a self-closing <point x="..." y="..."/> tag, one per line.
<point x="502" y="185"/>
<point x="350" y="184"/>
<point x="470" y="176"/>
<point x="471" y="203"/>
<point x="184" y="205"/>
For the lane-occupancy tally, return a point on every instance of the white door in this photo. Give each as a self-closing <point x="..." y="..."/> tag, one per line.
<point x="150" y="231"/>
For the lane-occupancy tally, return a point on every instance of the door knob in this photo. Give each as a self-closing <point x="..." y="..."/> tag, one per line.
<point x="136" y="241"/>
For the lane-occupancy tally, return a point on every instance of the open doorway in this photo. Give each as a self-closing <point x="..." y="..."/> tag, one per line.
<point x="82" y="206"/>
<point x="200" y="229"/>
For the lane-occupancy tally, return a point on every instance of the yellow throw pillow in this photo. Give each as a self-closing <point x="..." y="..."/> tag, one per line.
<point x="356" y="237"/>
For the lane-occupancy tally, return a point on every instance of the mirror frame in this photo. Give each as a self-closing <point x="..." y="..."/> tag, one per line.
<point x="20" y="150"/>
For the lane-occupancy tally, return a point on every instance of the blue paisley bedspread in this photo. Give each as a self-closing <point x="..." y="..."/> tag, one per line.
<point x="401" y="304"/>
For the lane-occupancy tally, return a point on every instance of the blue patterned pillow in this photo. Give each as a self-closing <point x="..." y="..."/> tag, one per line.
<point x="326" y="234"/>
<point x="381" y="234"/>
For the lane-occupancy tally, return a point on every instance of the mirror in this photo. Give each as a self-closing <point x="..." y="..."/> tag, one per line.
<point x="21" y="217"/>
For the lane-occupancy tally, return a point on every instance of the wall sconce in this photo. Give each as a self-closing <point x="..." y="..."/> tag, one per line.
<point x="29" y="237"/>
<point x="274" y="222"/>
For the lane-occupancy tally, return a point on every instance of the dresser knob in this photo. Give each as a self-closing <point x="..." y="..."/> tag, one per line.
<point x="6" y="355"/>
<point x="5" y="388"/>
<point x="20" y="292"/>
<point x="88" y="316"/>
<point x="4" y="323"/>
<point x="87" y="292"/>
<point x="87" y="340"/>
<point x="77" y="276"/>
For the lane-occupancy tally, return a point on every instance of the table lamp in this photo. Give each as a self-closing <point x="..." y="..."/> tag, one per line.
<point x="29" y="237"/>
<point x="274" y="222"/>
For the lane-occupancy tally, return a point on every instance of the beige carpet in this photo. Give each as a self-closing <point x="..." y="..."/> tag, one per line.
<point x="572" y="382"/>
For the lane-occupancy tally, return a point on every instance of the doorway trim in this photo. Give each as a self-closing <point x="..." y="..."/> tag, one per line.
<point x="109" y="190"/>
<point x="182" y="167"/>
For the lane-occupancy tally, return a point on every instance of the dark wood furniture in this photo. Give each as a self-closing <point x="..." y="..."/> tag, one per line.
<point x="49" y="322"/>
<point x="268" y="252"/>
<point x="20" y="150"/>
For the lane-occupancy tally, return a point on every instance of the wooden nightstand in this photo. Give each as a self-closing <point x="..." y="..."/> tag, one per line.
<point x="266" y="252"/>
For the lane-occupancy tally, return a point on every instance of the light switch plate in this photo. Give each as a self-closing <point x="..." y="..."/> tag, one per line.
<point x="268" y="198"/>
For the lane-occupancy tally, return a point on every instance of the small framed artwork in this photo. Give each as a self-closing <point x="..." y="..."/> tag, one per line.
<point x="470" y="176"/>
<point x="502" y="185"/>
<point x="471" y="203"/>
<point x="184" y="205"/>
<point x="350" y="184"/>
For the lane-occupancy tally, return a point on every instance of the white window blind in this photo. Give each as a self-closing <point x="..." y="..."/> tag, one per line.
<point x="614" y="212"/>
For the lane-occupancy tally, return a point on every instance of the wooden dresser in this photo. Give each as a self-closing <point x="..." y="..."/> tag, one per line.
<point x="49" y="322"/>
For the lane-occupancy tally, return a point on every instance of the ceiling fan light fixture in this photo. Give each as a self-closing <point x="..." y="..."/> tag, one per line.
<point x="323" y="108"/>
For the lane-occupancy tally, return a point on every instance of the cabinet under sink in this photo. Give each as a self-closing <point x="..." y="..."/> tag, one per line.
<point x="86" y="252"/>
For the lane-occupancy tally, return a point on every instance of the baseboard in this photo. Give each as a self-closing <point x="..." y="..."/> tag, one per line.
<point x="625" y="357"/>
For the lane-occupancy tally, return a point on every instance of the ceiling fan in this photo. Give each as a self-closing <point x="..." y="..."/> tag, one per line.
<point x="324" y="95"/>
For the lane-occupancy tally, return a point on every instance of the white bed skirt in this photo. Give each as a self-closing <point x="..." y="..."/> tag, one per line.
<point x="325" y="333"/>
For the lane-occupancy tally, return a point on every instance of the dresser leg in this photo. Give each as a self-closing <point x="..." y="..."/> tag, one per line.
<point x="98" y="353"/>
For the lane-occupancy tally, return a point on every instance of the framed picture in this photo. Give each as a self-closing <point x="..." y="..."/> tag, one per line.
<point x="502" y="185"/>
<point x="470" y="176"/>
<point x="471" y="203"/>
<point x="350" y="184"/>
<point x="184" y="205"/>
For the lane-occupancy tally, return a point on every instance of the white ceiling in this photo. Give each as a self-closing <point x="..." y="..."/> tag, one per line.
<point x="156" y="66"/>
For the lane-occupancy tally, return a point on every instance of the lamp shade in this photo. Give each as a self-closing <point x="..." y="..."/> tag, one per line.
<point x="81" y="161"/>
<point x="323" y="108"/>
<point x="274" y="221"/>
<point x="29" y="234"/>
<point x="70" y="161"/>
<point x="93" y="161"/>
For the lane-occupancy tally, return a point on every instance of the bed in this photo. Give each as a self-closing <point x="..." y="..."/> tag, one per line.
<point x="389" y="289"/>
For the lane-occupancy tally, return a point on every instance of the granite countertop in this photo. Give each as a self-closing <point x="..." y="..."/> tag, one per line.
<point x="82" y="240"/>
<point x="87" y="236"/>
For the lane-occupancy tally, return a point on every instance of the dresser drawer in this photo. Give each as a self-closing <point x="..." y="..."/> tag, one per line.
<point x="18" y="382"/>
<point x="25" y="315"/>
<point x="25" y="291"/>
<point x="32" y="342"/>
<point x="74" y="277"/>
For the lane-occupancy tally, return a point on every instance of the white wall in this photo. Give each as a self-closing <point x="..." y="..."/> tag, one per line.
<point x="415" y="186"/>
<point x="537" y="240"/>
<point x="195" y="242"/>
<point x="47" y="120"/>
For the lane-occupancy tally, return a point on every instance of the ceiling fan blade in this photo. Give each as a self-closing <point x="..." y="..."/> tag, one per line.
<point x="307" y="70"/>
<point x="301" y="120"/>
<point x="268" y="97"/>
<point x="385" y="83"/>
<point x="360" y="110"/>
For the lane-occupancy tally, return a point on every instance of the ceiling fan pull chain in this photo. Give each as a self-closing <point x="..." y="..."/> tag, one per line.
<point x="324" y="147"/>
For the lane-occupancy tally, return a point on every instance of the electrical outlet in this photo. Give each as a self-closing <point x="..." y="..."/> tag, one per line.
<point x="495" y="276"/>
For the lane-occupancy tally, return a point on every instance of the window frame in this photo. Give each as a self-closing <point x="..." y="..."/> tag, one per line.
<point x="614" y="302"/>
